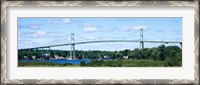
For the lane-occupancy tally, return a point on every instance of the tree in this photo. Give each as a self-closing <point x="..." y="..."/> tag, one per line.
<point x="20" y="55"/>
<point x="125" y="52"/>
<point x="155" y="55"/>
<point x="63" y="54"/>
<point x="136" y="54"/>
<point x="26" y="53"/>
<point x="144" y="53"/>
<point x="114" y="55"/>
<point x="162" y="52"/>
<point x="149" y="53"/>
<point x="38" y="54"/>
<point x="119" y="55"/>
<point x="59" y="53"/>
<point x="130" y="55"/>
<point x="30" y="55"/>
<point x="179" y="58"/>
<point x="52" y="54"/>
<point x="173" y="59"/>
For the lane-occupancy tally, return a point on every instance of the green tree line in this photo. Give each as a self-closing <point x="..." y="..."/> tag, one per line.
<point x="171" y="55"/>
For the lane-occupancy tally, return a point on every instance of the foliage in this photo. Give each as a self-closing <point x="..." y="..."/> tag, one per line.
<point x="170" y="55"/>
<point x="173" y="59"/>
<point x="82" y="63"/>
<point x="37" y="64"/>
<point x="155" y="55"/>
<point x="66" y="64"/>
<point x="125" y="63"/>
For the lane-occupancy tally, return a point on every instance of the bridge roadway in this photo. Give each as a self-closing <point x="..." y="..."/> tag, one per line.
<point x="101" y="41"/>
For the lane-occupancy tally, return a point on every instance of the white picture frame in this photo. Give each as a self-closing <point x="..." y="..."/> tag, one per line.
<point x="4" y="44"/>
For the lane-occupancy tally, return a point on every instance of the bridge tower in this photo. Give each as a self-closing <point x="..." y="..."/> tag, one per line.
<point x="141" y="39"/>
<point x="72" y="50"/>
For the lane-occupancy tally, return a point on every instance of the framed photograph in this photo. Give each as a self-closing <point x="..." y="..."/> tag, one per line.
<point x="100" y="42"/>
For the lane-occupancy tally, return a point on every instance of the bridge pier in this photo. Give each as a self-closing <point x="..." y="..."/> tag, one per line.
<point x="73" y="51"/>
<point x="141" y="45"/>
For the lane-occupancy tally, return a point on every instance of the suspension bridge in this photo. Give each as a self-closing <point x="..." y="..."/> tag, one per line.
<point x="72" y="44"/>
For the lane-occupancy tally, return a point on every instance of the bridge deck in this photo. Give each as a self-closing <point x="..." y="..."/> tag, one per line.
<point x="102" y="42"/>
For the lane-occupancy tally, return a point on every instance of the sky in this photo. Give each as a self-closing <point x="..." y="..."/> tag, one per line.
<point x="36" y="32"/>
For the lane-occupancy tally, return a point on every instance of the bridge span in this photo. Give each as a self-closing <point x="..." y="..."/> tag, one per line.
<point x="102" y="41"/>
<point x="72" y="44"/>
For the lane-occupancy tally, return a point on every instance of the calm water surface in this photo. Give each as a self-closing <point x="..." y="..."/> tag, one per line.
<point x="62" y="61"/>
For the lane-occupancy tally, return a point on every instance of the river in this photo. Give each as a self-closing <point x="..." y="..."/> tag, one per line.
<point x="61" y="61"/>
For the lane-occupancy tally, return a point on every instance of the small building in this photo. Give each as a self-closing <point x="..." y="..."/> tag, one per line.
<point x="125" y="57"/>
<point x="46" y="54"/>
<point x="33" y="57"/>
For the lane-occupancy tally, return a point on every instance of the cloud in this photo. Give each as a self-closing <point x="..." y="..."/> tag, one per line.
<point x="107" y="29"/>
<point x="59" y="21"/>
<point x="84" y="24"/>
<point x="90" y="29"/>
<point x="138" y="27"/>
<point x="87" y="25"/>
<point x="34" y="26"/>
<point x="24" y="35"/>
<point x="31" y="26"/>
<point x="125" y="28"/>
<point x="39" y="34"/>
<point x="28" y="43"/>
<point x="40" y="38"/>
<point x="129" y="28"/>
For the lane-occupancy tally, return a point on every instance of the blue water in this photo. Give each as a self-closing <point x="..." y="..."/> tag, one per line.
<point x="62" y="61"/>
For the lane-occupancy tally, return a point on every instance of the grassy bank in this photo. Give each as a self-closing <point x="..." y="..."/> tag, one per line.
<point x="125" y="63"/>
<point x="44" y="64"/>
<point x="99" y="63"/>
